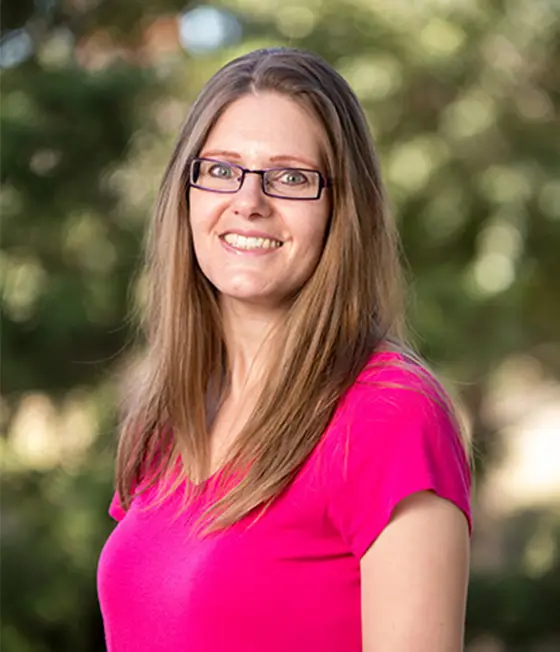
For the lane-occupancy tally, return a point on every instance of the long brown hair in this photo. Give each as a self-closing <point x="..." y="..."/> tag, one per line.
<point x="350" y="306"/>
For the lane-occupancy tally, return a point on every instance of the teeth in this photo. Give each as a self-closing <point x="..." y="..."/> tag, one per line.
<point x="241" y="242"/>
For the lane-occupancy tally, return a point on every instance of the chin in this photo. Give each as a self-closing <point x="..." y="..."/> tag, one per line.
<point x="250" y="298"/>
<point x="253" y="298"/>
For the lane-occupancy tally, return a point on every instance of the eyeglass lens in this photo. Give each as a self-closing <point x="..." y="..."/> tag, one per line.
<point x="220" y="176"/>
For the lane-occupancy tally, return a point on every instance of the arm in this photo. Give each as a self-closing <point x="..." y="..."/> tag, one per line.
<point x="414" y="579"/>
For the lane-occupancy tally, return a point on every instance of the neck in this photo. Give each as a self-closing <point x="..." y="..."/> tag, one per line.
<point x="247" y="328"/>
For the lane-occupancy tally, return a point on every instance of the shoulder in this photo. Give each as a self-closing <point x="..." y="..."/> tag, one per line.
<point x="397" y="388"/>
<point x="395" y="433"/>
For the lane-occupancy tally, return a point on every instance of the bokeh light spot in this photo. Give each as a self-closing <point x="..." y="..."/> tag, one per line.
<point x="493" y="273"/>
<point x="207" y="28"/>
<point x="469" y="116"/>
<point x="23" y="282"/>
<point x="15" y="47"/>
<point x="441" y="38"/>
<point x="549" y="199"/>
<point x="295" y="21"/>
<point x="506" y="184"/>
<point x="372" y="78"/>
<point x="411" y="164"/>
<point x="86" y="242"/>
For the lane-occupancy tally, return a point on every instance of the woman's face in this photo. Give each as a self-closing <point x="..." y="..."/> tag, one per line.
<point x="252" y="247"/>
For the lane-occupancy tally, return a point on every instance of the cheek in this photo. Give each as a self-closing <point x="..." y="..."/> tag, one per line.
<point x="204" y="211"/>
<point x="313" y="232"/>
<point x="204" y="217"/>
<point x="201" y="222"/>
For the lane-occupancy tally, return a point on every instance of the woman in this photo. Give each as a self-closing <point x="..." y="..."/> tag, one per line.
<point x="289" y="476"/>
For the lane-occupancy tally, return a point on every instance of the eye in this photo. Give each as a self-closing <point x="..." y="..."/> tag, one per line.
<point x="221" y="170"/>
<point x="292" y="177"/>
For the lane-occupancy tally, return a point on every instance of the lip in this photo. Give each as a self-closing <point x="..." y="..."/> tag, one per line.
<point x="249" y="252"/>
<point x="250" y="234"/>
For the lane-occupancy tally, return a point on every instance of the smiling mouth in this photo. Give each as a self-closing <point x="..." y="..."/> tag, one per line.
<point x="242" y="242"/>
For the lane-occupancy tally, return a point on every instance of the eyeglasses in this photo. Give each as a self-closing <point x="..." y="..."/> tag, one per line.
<point x="285" y="183"/>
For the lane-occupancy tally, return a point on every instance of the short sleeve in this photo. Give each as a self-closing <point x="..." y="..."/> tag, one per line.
<point x="115" y="508"/>
<point x="396" y="437"/>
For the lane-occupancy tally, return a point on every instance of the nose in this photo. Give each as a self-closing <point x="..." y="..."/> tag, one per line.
<point x="250" y="201"/>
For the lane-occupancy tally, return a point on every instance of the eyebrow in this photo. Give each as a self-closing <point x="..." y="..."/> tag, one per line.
<point x="279" y="158"/>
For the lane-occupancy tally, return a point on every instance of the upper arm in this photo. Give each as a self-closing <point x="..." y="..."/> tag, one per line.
<point x="414" y="579"/>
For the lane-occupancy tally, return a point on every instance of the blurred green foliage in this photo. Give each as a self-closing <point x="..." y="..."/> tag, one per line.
<point x="463" y="101"/>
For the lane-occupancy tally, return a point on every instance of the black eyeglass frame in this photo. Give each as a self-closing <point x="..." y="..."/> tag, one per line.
<point x="323" y="181"/>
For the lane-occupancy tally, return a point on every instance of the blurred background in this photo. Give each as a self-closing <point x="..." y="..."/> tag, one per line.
<point x="462" y="97"/>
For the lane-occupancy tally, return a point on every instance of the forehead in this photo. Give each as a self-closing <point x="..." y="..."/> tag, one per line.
<point x="267" y="125"/>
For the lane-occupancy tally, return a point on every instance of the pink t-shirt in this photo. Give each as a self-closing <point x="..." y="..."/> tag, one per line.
<point x="291" y="581"/>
